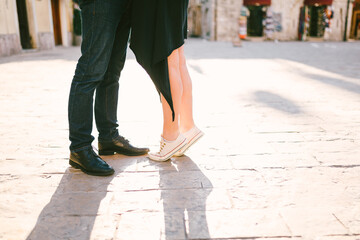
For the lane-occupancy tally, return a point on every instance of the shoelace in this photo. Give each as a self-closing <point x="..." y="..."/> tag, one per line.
<point x="162" y="145"/>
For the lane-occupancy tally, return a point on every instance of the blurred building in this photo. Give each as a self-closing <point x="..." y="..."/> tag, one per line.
<point x="355" y="21"/>
<point x="276" y="19"/>
<point x="34" y="24"/>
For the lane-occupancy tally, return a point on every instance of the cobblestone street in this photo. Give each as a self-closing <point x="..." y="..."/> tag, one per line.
<point x="280" y="158"/>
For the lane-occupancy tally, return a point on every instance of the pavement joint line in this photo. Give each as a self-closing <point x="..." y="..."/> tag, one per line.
<point x="343" y="235"/>
<point x="248" y="238"/>
<point x="347" y="228"/>
<point x="317" y="166"/>
<point x="284" y="221"/>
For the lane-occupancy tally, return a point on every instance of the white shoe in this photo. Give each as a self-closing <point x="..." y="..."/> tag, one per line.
<point x="192" y="136"/>
<point x="168" y="148"/>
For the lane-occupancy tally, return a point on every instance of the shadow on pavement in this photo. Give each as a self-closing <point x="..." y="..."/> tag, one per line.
<point x="184" y="191"/>
<point x="348" y="86"/>
<point x="74" y="206"/>
<point x="277" y="102"/>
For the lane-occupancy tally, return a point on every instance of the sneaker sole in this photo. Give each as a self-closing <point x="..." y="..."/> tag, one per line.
<point x="167" y="157"/>
<point x="187" y="146"/>
<point x="126" y="153"/>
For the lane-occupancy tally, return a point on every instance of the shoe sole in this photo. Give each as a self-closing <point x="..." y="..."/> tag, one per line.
<point x="187" y="146"/>
<point x="108" y="153"/>
<point x="159" y="159"/>
<point x="77" y="166"/>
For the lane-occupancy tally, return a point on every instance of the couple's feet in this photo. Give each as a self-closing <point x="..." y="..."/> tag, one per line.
<point x="90" y="163"/>
<point x="177" y="147"/>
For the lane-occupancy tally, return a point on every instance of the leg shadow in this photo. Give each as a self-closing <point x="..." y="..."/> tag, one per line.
<point x="184" y="191"/>
<point x="75" y="205"/>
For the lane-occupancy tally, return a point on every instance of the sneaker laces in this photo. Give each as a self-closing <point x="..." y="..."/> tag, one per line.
<point x="162" y="145"/>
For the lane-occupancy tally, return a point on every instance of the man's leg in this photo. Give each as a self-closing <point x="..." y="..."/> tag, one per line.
<point x="100" y="20"/>
<point x="106" y="99"/>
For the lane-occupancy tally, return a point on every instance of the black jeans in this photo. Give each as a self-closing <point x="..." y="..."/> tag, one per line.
<point x="105" y="34"/>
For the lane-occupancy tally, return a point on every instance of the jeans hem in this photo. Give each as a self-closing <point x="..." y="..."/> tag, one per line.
<point x="111" y="139"/>
<point x="81" y="148"/>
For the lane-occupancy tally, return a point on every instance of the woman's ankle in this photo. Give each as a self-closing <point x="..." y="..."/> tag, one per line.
<point x="170" y="136"/>
<point x="186" y="128"/>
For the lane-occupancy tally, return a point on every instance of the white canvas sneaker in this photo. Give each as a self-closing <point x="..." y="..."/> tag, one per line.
<point x="168" y="149"/>
<point x="191" y="136"/>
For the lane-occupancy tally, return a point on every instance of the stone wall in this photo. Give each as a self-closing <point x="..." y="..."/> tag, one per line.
<point x="9" y="33"/>
<point x="44" y="25"/>
<point x="208" y="19"/>
<point x="290" y="12"/>
<point x="9" y="44"/>
<point x="46" y="40"/>
<point x="227" y="12"/>
<point x="66" y="12"/>
<point x="338" y="22"/>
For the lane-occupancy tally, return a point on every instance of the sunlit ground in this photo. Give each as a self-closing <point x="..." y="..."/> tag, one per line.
<point x="280" y="156"/>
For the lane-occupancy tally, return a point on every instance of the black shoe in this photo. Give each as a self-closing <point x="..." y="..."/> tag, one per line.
<point x="120" y="145"/>
<point x="90" y="163"/>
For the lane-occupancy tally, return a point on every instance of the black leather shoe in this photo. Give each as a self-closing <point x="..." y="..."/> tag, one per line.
<point x="90" y="163"/>
<point x="120" y="145"/>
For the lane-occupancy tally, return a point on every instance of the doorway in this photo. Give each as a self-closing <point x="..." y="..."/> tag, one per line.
<point x="355" y="27"/>
<point x="317" y="24"/>
<point x="255" y="21"/>
<point x="355" y="21"/>
<point x="25" y="38"/>
<point x="55" y="7"/>
<point x="195" y="21"/>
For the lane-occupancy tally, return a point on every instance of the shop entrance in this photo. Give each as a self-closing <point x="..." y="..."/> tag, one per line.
<point x="255" y="21"/>
<point x="316" y="24"/>
<point x="55" y="7"/>
<point x="355" y="21"/>
<point x="195" y="21"/>
<point x="25" y="37"/>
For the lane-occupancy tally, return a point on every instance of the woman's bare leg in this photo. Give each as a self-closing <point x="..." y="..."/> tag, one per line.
<point x="175" y="143"/>
<point x="171" y="128"/>
<point x="186" y="108"/>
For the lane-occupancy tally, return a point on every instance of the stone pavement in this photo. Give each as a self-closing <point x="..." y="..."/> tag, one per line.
<point x="280" y="158"/>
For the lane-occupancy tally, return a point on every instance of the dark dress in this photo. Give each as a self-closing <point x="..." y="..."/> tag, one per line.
<point x="158" y="27"/>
